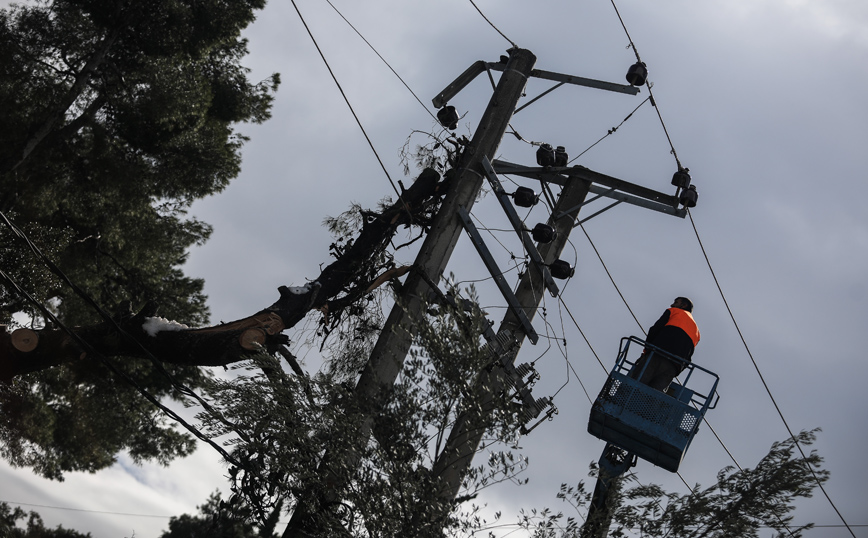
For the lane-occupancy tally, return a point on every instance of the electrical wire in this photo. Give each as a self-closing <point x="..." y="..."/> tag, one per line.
<point x="570" y="365"/>
<point x="649" y="84"/>
<point x="611" y="278"/>
<point x="759" y="373"/>
<point x="347" y="101"/>
<point x="511" y="42"/>
<point x="719" y="440"/>
<point x="94" y="353"/>
<point x="611" y="131"/>
<point x="499" y="242"/>
<point x="84" y="510"/>
<point x="18" y="232"/>
<point x="588" y="342"/>
<point x="384" y="60"/>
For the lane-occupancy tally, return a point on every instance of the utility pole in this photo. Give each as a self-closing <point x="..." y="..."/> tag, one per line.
<point x="455" y="459"/>
<point x="387" y="358"/>
<point x="391" y="349"/>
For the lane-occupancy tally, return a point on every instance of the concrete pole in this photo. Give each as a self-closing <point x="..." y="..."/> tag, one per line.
<point x="454" y="461"/>
<point x="390" y="351"/>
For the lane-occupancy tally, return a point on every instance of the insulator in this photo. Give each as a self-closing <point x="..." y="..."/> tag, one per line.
<point x="681" y="178"/>
<point x="448" y="117"/>
<point x="561" y="269"/>
<point x="525" y="197"/>
<point x="523" y="370"/>
<point x="637" y="74"/>
<point x="545" y="155"/>
<point x="532" y="410"/>
<point x="689" y="196"/>
<point x="543" y="233"/>
<point x="561" y="156"/>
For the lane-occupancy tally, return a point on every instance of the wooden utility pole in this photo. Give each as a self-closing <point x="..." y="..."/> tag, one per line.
<point x="454" y="461"/>
<point x="390" y="351"/>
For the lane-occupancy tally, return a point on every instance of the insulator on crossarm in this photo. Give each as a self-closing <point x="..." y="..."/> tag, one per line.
<point x="543" y="233"/>
<point x="561" y="270"/>
<point x="448" y="117"/>
<point x="545" y="155"/>
<point x="523" y="369"/>
<point x="561" y="157"/>
<point x="681" y="178"/>
<point x="525" y="197"/>
<point x="689" y="197"/>
<point x="637" y="74"/>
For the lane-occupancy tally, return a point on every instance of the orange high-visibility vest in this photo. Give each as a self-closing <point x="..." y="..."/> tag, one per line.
<point x="684" y="321"/>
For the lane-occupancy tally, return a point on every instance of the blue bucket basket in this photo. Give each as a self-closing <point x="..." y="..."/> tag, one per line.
<point x="655" y="426"/>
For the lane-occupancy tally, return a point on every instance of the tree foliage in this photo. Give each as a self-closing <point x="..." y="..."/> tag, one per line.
<point x="117" y="115"/>
<point x="33" y="525"/>
<point x="285" y="426"/>
<point x="740" y="503"/>
<point x="218" y="519"/>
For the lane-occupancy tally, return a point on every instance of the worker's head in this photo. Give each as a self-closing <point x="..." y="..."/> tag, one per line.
<point x="683" y="303"/>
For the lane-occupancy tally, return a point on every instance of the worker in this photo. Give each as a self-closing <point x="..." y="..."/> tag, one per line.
<point x="676" y="333"/>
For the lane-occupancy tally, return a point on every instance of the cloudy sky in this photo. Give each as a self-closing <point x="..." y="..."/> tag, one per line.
<point x="764" y="102"/>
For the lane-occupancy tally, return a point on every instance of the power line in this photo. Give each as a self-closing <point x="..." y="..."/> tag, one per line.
<point x="719" y="440"/>
<point x="85" y="510"/>
<point x="611" y="278"/>
<point x="611" y="131"/>
<point x="649" y="84"/>
<point x="384" y="60"/>
<point x="511" y="42"/>
<point x="347" y="101"/>
<point x="95" y="353"/>
<point x="759" y="373"/>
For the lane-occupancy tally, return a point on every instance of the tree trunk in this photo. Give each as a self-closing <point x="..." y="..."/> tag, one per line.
<point x="220" y="345"/>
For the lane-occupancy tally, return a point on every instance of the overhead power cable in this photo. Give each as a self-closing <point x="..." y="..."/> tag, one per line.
<point x="85" y="510"/>
<point x="649" y="84"/>
<point x="181" y="388"/>
<point x="719" y="440"/>
<point x="347" y="101"/>
<point x="759" y="373"/>
<point x="611" y="131"/>
<point x="511" y="42"/>
<point x="611" y="278"/>
<point x="91" y="351"/>
<point x="368" y="43"/>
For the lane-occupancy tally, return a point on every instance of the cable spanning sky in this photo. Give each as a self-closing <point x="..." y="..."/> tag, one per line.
<point x="763" y="101"/>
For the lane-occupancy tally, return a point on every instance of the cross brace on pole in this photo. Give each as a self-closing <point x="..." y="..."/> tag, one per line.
<point x="518" y="225"/>
<point x="496" y="274"/>
<point x="453" y="462"/>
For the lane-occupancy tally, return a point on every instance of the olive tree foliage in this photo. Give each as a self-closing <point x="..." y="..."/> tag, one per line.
<point x="284" y="425"/>
<point x="117" y="115"/>
<point x="741" y="503"/>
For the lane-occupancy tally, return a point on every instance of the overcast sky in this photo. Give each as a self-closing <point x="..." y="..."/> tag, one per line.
<point x="764" y="102"/>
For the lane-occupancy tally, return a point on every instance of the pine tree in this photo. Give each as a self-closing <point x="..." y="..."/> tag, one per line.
<point x="116" y="116"/>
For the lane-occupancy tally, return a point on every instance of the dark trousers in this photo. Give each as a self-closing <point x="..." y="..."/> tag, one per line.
<point x="658" y="374"/>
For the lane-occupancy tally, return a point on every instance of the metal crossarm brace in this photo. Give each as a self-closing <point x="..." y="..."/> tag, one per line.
<point x="497" y="274"/>
<point x="608" y="186"/>
<point x="578" y="81"/>
<point x="479" y="66"/>
<point x="513" y="217"/>
<point x="453" y="462"/>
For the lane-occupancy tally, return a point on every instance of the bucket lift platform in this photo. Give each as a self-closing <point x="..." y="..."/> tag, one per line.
<point x="655" y="426"/>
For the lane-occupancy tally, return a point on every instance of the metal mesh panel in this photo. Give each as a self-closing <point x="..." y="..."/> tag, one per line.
<point x="647" y="411"/>
<point x="653" y="425"/>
